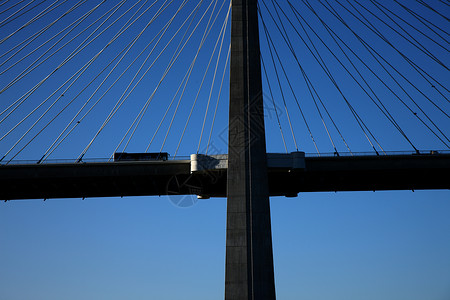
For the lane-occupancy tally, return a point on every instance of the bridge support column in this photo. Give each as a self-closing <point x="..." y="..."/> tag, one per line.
<point x="249" y="260"/>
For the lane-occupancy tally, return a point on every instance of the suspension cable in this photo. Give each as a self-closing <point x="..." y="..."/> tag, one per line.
<point x="127" y="48"/>
<point x="273" y="102"/>
<point x="81" y="46"/>
<point x="3" y="3"/>
<point x="161" y="34"/>
<point x="218" y="98"/>
<point x="24" y="72"/>
<point x="31" y="91"/>
<point x="310" y="86"/>
<point x="427" y="23"/>
<point x="185" y="78"/>
<point x="204" y="75"/>
<point x="407" y="59"/>
<point x="6" y="21"/>
<point x="358" y="119"/>
<point x="128" y="92"/>
<point x="189" y="72"/>
<point x="72" y="27"/>
<point x="81" y="70"/>
<point x="416" y="45"/>
<point x="35" y="18"/>
<point x="172" y="61"/>
<point x="281" y="90"/>
<point x="285" y="36"/>
<point x="35" y="35"/>
<point x="370" y="51"/>
<point x="213" y="81"/>
<point x="446" y="3"/>
<point x="24" y="97"/>
<point x="14" y="5"/>
<point x="378" y="4"/>
<point x="142" y="112"/>
<point x="400" y="86"/>
<point x="269" y="40"/>
<point x="382" y="108"/>
<point x="119" y="102"/>
<point x="432" y="9"/>
<point x="186" y="75"/>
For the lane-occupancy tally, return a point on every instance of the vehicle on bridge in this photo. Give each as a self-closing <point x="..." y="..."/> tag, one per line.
<point x="124" y="156"/>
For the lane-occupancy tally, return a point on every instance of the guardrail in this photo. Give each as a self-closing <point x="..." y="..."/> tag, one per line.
<point x="327" y="154"/>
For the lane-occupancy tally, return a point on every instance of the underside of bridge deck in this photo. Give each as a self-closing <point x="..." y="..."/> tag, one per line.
<point x="321" y="174"/>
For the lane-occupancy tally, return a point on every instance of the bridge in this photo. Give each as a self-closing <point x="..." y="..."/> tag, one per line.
<point x="184" y="177"/>
<point x="249" y="174"/>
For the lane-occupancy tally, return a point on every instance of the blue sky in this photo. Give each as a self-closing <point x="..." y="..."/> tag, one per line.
<point x="345" y="245"/>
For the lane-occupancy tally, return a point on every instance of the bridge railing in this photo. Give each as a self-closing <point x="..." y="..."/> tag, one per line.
<point x="311" y="155"/>
<point x="72" y="161"/>
<point x="421" y="152"/>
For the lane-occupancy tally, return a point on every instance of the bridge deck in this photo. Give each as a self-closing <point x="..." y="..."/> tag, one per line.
<point x="321" y="174"/>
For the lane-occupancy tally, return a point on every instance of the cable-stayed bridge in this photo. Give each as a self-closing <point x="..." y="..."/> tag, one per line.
<point x="338" y="78"/>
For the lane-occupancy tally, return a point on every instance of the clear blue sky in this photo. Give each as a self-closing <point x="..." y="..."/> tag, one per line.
<point x="345" y="245"/>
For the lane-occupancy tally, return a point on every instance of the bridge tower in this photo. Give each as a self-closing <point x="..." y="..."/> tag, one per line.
<point x="249" y="259"/>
